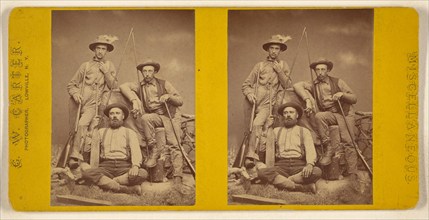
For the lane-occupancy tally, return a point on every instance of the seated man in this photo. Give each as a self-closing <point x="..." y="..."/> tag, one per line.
<point x="294" y="169"/>
<point x="120" y="155"/>
<point x="149" y="99"/>
<point x="333" y="98"/>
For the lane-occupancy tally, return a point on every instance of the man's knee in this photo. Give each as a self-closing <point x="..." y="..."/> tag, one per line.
<point x="146" y="117"/>
<point x="92" y="174"/>
<point x="140" y="178"/>
<point x="267" y="174"/>
<point x="321" y="116"/>
<point x="317" y="173"/>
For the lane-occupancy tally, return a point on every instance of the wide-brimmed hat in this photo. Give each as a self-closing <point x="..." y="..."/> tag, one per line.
<point x="294" y="105"/>
<point x="277" y="39"/>
<point x="149" y="63"/>
<point x="117" y="105"/>
<point x="322" y="61"/>
<point x="105" y="40"/>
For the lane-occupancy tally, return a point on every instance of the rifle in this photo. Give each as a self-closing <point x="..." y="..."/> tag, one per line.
<point x="188" y="162"/>
<point x="353" y="142"/>
<point x="269" y="146"/>
<point x="239" y="159"/>
<point x="64" y="155"/>
<point x="95" y="142"/>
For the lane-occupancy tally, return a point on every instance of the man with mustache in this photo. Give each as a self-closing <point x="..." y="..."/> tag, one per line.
<point x="270" y="74"/>
<point x="96" y="74"/>
<point x="120" y="155"/>
<point x="328" y="91"/>
<point x="294" y="169"/>
<point x="150" y="111"/>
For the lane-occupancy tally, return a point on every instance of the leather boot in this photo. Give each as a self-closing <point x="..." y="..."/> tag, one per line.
<point x="331" y="145"/>
<point x="249" y="163"/>
<point x="177" y="180"/>
<point x="156" y="148"/>
<point x="123" y="179"/>
<point x="136" y="189"/>
<point x="281" y="182"/>
<point x="107" y="183"/>
<point x="153" y="157"/>
<point x="306" y="188"/>
<point x="327" y="157"/>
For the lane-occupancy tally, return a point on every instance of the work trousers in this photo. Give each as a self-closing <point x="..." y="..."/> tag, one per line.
<point x="151" y="121"/>
<point x="115" y="169"/>
<point x="290" y="168"/>
<point x="261" y="117"/>
<point x="326" y="119"/>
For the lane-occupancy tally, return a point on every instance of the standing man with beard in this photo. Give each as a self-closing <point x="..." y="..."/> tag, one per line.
<point x="120" y="155"/>
<point x="270" y="74"/>
<point x="295" y="168"/>
<point x="86" y="88"/>
<point x="155" y="94"/>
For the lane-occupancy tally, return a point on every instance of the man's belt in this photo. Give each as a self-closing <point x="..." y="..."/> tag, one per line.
<point x="114" y="160"/>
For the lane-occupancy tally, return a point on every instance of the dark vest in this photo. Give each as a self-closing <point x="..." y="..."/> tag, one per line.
<point x="160" y="86"/>
<point x="333" y="82"/>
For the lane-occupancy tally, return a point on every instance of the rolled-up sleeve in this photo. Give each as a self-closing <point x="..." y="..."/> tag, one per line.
<point x="310" y="150"/>
<point x="301" y="89"/>
<point x="130" y="90"/>
<point x="348" y="95"/>
<point x="74" y="85"/>
<point x="248" y="85"/>
<point x="175" y="98"/>
<point x="136" y="154"/>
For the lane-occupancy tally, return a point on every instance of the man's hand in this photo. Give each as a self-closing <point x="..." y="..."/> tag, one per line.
<point x="252" y="98"/>
<point x="337" y="96"/>
<point x="134" y="171"/>
<point x="269" y="122"/>
<point x="307" y="171"/>
<point x="309" y="108"/>
<point x="103" y="67"/>
<point x="95" y="122"/>
<point x="164" y="98"/>
<point x="277" y="68"/>
<point x="77" y="98"/>
<point x="136" y="111"/>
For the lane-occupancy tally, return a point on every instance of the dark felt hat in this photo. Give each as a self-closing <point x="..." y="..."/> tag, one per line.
<point x="294" y="105"/>
<point x="117" y="105"/>
<point x="322" y="61"/>
<point x="105" y="40"/>
<point x="277" y="39"/>
<point x="149" y="63"/>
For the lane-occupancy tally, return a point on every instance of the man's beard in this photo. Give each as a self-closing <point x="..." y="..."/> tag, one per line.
<point x="116" y="123"/>
<point x="289" y="122"/>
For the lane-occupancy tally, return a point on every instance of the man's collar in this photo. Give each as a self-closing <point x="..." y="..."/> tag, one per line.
<point x="116" y="129"/>
<point x="147" y="83"/>
<point x="94" y="58"/>
<point x="269" y="59"/>
<point x="326" y="80"/>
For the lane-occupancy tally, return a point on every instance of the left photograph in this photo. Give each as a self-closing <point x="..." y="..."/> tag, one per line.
<point x="123" y="108"/>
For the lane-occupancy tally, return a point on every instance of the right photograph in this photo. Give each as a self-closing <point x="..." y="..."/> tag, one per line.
<point x="300" y="94"/>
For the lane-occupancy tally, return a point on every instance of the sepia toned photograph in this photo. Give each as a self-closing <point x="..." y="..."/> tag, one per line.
<point x="300" y="97"/>
<point x="123" y="108"/>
